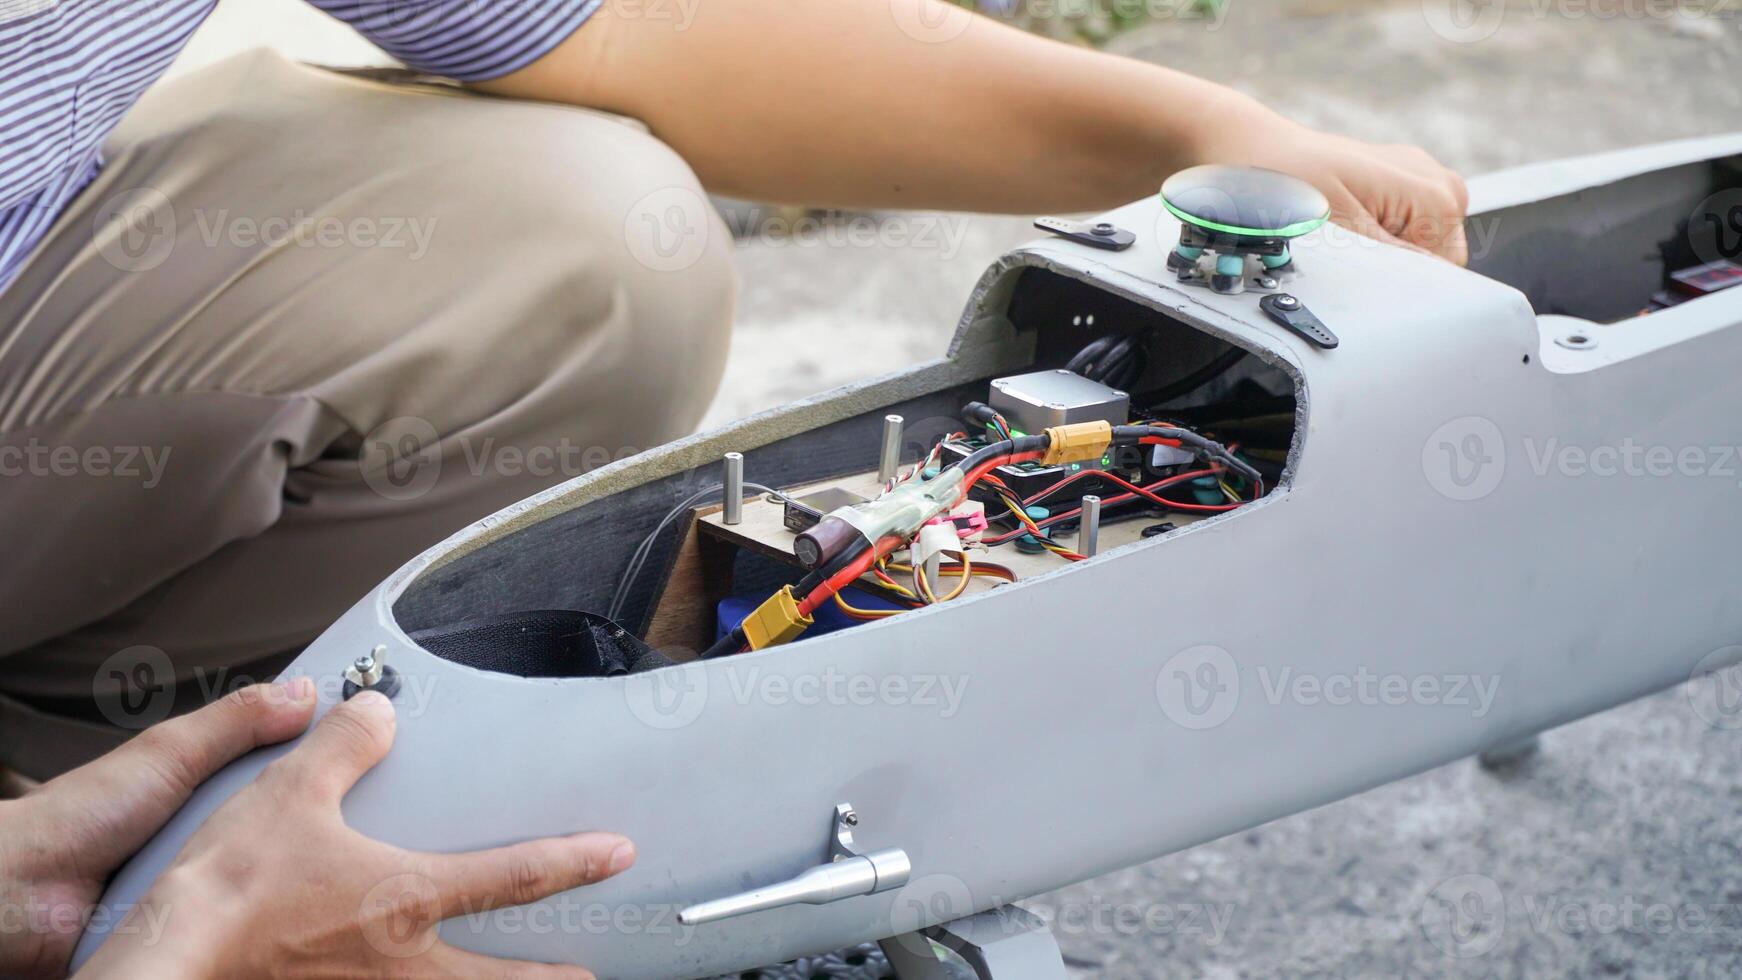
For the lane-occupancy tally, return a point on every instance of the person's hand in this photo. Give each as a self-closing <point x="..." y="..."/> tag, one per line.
<point x="61" y="841"/>
<point x="1392" y="193"/>
<point x="275" y="885"/>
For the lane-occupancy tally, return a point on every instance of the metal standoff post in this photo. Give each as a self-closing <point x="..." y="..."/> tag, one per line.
<point x="1090" y="538"/>
<point x="889" y="462"/>
<point x="734" y="492"/>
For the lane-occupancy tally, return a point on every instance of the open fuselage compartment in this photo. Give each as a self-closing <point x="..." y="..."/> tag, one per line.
<point x="658" y="556"/>
<point x="1623" y="249"/>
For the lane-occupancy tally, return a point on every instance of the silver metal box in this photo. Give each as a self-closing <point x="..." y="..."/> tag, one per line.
<point x="1032" y="402"/>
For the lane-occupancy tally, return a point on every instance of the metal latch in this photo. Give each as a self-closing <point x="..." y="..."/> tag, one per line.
<point x="848" y="874"/>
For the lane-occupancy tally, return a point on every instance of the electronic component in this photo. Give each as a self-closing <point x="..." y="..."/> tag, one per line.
<point x="776" y="621"/>
<point x="803" y="513"/>
<point x="1704" y="280"/>
<point x="1288" y="311"/>
<point x="1043" y="399"/>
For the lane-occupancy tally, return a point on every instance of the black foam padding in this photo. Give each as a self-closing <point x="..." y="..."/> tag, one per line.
<point x="542" y="643"/>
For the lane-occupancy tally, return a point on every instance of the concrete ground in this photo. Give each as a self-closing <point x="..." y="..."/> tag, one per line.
<point x="1616" y="851"/>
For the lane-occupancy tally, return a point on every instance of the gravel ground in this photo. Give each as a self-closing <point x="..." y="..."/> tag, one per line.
<point x="1615" y="850"/>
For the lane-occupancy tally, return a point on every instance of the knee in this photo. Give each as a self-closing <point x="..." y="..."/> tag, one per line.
<point x="612" y="227"/>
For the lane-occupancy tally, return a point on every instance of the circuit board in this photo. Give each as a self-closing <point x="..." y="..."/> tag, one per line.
<point x="763" y="530"/>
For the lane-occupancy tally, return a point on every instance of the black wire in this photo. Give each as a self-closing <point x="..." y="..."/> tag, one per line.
<point x="732" y="642"/>
<point x="1009" y="447"/>
<point x="1186" y="437"/>
<point x="1083" y="362"/>
<point x="1223" y="363"/>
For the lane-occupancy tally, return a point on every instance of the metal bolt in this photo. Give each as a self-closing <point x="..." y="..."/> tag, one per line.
<point x="850" y="818"/>
<point x="734" y="490"/>
<point x="1104" y="229"/>
<point x="367" y="670"/>
<point x="889" y="460"/>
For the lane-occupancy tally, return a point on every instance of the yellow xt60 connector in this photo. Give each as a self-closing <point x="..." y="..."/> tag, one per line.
<point x="1077" y="442"/>
<point x="776" y="621"/>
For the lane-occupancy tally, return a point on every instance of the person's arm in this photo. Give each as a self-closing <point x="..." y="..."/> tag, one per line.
<point x="919" y="104"/>
<point x="275" y="884"/>
<point x="275" y="879"/>
<point x="60" y="842"/>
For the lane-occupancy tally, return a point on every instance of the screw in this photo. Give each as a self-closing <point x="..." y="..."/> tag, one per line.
<point x="851" y="818"/>
<point x="364" y="664"/>
<point x="1104" y="229"/>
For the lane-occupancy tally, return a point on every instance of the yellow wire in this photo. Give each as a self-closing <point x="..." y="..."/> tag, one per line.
<point x="872" y="613"/>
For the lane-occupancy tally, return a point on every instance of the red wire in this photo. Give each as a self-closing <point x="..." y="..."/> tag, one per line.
<point x="1139" y="491"/>
<point x="987" y="467"/>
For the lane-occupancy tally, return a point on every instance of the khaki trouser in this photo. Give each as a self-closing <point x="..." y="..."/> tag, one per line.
<point x="303" y="326"/>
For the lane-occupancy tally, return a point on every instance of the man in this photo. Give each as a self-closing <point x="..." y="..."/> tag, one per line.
<point x="216" y="303"/>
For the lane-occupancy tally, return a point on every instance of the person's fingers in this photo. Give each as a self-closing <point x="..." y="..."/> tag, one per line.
<point x="348" y="742"/>
<point x="1435" y="220"/>
<point x="526" y="872"/>
<point x="1348" y="211"/>
<point x="137" y="787"/>
<point x="462" y="965"/>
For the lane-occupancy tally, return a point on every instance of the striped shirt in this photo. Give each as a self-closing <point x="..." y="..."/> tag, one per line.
<point x="69" y="70"/>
